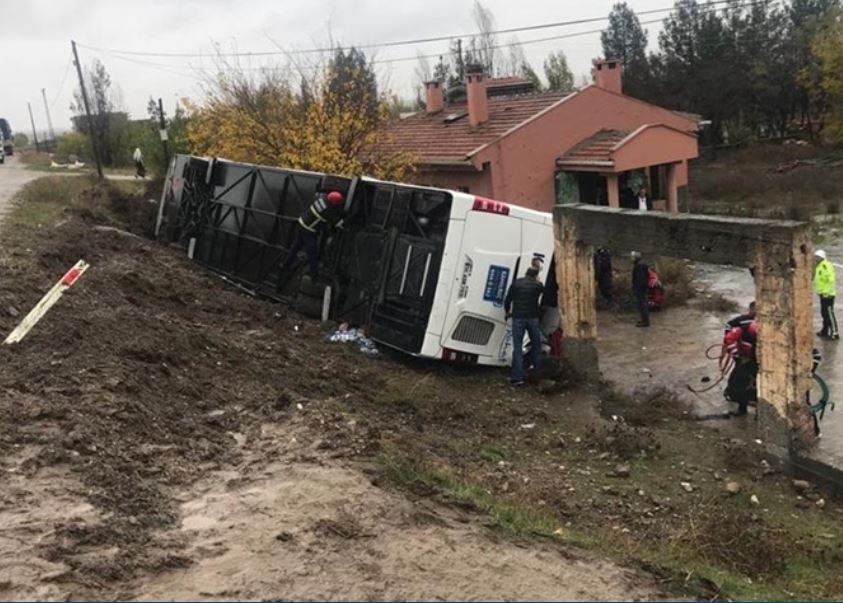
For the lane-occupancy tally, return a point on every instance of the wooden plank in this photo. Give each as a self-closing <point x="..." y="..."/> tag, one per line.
<point x="711" y="239"/>
<point x="47" y="302"/>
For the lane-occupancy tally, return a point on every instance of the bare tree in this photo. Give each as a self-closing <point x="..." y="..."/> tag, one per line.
<point x="485" y="43"/>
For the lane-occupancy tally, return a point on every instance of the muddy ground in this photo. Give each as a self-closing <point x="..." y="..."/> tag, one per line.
<point x="163" y="435"/>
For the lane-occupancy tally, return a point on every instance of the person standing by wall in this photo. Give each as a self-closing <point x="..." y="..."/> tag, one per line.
<point x="640" y="279"/>
<point x="825" y="286"/>
<point x="603" y="274"/>
<point x="522" y="304"/>
<point x="643" y="202"/>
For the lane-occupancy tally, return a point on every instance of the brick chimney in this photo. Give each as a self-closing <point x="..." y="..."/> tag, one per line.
<point x="606" y="74"/>
<point x="478" y="104"/>
<point x="434" y="96"/>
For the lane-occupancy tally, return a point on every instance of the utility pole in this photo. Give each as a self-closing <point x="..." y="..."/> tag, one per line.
<point x="50" y="131"/>
<point x="163" y="133"/>
<point x="32" y="121"/>
<point x="94" y="145"/>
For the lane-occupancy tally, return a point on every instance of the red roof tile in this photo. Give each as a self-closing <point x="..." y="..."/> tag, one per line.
<point x="597" y="147"/>
<point x="433" y="140"/>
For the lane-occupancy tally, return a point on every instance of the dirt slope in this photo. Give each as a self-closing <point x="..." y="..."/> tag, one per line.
<point x="164" y="436"/>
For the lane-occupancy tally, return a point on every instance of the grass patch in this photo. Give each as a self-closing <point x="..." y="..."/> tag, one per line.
<point x="35" y="160"/>
<point x="675" y="275"/>
<point x="765" y="181"/>
<point x="41" y="202"/>
<point x="425" y="480"/>
<point x="717" y="303"/>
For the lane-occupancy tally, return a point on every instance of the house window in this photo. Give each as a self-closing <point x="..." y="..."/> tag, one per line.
<point x="463" y="189"/>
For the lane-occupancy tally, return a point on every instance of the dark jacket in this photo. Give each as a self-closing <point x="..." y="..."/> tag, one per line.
<point x="640" y="276"/>
<point x="320" y="213"/>
<point x="740" y="321"/>
<point x="523" y="298"/>
<point x="602" y="264"/>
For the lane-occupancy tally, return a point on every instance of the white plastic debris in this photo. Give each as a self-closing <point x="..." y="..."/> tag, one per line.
<point x="344" y="335"/>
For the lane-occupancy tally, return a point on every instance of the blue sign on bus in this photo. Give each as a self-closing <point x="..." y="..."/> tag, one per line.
<point x="496" y="282"/>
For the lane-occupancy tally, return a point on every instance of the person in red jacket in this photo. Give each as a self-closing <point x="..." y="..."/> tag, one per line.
<point x="326" y="210"/>
<point x="740" y="342"/>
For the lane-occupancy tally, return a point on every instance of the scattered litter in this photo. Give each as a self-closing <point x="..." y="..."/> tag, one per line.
<point x="344" y="334"/>
<point x="528" y="426"/>
<point x="820" y="503"/>
<point x="686" y="486"/>
<point x="733" y="488"/>
<point x="754" y="500"/>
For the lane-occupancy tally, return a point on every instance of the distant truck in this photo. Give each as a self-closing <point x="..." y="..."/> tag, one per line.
<point x="425" y="269"/>
<point x="7" y="137"/>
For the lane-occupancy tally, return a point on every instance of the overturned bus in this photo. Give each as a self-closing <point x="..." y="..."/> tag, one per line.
<point x="425" y="269"/>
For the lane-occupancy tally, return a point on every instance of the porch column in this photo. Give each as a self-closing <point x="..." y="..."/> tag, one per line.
<point x="575" y="275"/>
<point x="672" y="189"/>
<point x="613" y="190"/>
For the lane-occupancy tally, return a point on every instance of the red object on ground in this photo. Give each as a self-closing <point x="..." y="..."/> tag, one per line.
<point x="71" y="277"/>
<point x="655" y="291"/>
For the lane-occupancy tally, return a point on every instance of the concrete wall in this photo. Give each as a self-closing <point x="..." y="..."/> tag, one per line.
<point x="524" y="163"/>
<point x="782" y="254"/>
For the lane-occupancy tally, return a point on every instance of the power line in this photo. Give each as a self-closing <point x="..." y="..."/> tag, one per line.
<point x="63" y="81"/>
<point x="171" y="68"/>
<point x="709" y="6"/>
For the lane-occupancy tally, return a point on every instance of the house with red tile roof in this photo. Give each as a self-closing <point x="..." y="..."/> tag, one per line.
<point x="592" y="145"/>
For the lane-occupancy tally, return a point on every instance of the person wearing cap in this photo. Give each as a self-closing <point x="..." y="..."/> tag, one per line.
<point x="824" y="285"/>
<point x="326" y="210"/>
<point x="640" y="281"/>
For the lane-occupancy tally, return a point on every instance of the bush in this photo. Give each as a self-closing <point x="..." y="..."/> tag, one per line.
<point x="73" y="145"/>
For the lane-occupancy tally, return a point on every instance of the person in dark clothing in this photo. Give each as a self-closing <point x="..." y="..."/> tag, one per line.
<point x="640" y="280"/>
<point x="603" y="273"/>
<point x="742" y="319"/>
<point x="628" y="199"/>
<point x="522" y="304"/>
<point x="326" y="210"/>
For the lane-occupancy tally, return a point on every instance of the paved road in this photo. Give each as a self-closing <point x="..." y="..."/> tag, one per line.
<point x="13" y="176"/>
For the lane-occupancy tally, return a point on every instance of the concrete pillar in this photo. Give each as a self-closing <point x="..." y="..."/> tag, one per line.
<point x="613" y="189"/>
<point x="785" y="340"/>
<point x="672" y="189"/>
<point x="575" y="275"/>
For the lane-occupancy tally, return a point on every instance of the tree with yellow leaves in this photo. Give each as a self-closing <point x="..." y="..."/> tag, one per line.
<point x="335" y="122"/>
<point x="827" y="71"/>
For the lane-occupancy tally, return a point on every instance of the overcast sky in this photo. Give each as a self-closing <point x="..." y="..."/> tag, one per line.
<point x="35" y="40"/>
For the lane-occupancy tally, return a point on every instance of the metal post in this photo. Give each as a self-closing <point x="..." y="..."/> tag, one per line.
<point x="94" y="145"/>
<point x="163" y="132"/>
<point x="32" y="121"/>
<point x="50" y="131"/>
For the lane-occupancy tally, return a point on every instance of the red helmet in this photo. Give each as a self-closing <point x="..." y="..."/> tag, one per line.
<point x="335" y="198"/>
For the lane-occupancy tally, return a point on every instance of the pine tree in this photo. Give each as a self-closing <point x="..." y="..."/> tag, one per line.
<point x="624" y="39"/>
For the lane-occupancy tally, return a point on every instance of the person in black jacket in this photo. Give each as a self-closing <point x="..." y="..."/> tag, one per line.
<point x="640" y="278"/>
<point x="326" y="210"/>
<point x="603" y="273"/>
<point x="522" y="304"/>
